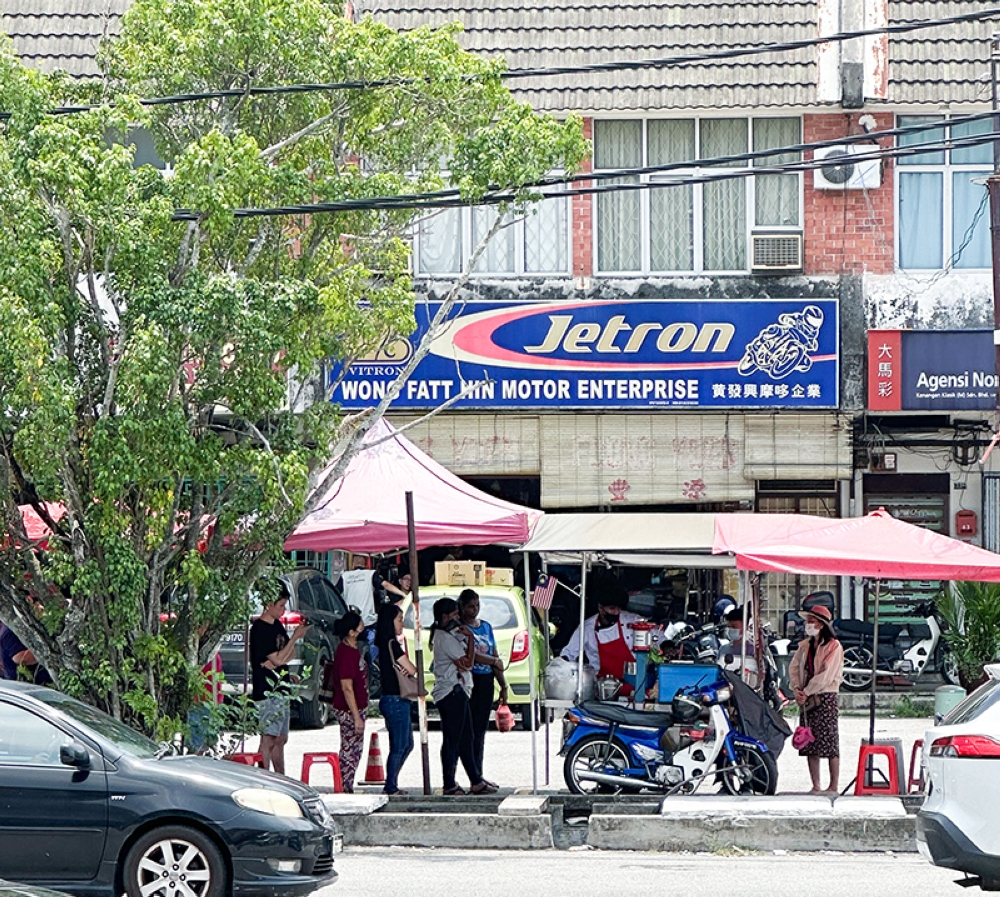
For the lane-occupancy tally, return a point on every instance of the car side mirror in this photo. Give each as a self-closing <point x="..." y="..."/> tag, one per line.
<point x="74" y="754"/>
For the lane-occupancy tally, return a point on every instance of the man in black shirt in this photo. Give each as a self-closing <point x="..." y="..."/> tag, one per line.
<point x="270" y="650"/>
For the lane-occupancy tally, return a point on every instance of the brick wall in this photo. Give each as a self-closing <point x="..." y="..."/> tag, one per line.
<point x="582" y="218"/>
<point x="847" y="231"/>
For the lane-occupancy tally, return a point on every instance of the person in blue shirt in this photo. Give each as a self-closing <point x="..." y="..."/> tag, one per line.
<point x="487" y="668"/>
<point x="17" y="657"/>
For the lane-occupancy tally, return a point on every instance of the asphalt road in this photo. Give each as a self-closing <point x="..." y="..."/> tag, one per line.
<point x="508" y="754"/>
<point x="418" y="872"/>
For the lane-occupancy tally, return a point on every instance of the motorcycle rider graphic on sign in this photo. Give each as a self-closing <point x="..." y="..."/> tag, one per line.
<point x="783" y="348"/>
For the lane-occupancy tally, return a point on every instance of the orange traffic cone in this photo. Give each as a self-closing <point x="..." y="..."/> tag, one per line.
<point x="375" y="771"/>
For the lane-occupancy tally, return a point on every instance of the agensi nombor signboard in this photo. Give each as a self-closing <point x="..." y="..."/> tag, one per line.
<point x="664" y="353"/>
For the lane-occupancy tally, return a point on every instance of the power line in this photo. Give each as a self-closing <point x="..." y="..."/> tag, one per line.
<point x="515" y="74"/>
<point x="445" y="199"/>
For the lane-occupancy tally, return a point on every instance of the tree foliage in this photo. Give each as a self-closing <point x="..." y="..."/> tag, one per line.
<point x="161" y="379"/>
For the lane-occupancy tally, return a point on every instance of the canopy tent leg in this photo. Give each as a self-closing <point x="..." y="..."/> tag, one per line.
<point x="532" y="692"/>
<point x="418" y="650"/>
<point x="583" y="617"/>
<point x="871" y="701"/>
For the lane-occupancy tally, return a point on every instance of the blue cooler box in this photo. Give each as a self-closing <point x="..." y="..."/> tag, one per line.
<point x="677" y="675"/>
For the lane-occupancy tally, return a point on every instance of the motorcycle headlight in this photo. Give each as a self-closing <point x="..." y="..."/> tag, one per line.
<point x="264" y="800"/>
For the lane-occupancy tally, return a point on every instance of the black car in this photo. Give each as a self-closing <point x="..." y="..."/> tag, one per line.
<point x="89" y="806"/>
<point x="311" y="598"/>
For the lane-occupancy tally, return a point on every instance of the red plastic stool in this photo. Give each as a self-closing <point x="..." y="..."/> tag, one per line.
<point x="308" y="760"/>
<point x="864" y="783"/>
<point x="916" y="776"/>
<point x="247" y="759"/>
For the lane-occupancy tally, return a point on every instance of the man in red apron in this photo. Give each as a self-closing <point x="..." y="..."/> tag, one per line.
<point x="607" y="642"/>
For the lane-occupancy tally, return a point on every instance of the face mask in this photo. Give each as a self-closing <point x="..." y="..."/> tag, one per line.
<point x="732" y="635"/>
<point x="812" y="630"/>
<point x="610" y="618"/>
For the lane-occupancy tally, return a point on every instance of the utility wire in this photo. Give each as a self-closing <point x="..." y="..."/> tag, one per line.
<point x="446" y="199"/>
<point x="515" y="74"/>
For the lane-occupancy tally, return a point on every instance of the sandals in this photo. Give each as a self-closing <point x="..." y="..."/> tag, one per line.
<point x="485" y="787"/>
<point x="454" y="791"/>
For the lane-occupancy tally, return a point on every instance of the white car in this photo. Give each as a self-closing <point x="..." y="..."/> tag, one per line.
<point x="957" y="825"/>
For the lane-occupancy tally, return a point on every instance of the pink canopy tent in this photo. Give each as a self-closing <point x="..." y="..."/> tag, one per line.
<point x="365" y="509"/>
<point x="877" y="546"/>
<point x="34" y="526"/>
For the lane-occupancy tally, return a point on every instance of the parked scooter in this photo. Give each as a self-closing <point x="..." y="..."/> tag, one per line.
<point x="717" y="730"/>
<point x="902" y="650"/>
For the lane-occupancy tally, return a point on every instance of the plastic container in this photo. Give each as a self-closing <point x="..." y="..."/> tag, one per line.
<point x="945" y="698"/>
<point x="678" y="674"/>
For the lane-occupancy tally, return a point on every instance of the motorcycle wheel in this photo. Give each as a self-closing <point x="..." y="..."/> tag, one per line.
<point x="763" y="770"/>
<point x="594" y="753"/>
<point x="949" y="669"/>
<point x="857" y="668"/>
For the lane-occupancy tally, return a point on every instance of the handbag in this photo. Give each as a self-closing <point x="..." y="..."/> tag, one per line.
<point x="803" y="735"/>
<point x="409" y="688"/>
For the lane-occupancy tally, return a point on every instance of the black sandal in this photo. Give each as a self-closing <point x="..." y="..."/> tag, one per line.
<point x="454" y="791"/>
<point x="485" y="787"/>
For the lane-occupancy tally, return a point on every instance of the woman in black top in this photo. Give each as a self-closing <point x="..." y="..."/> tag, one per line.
<point x="394" y="709"/>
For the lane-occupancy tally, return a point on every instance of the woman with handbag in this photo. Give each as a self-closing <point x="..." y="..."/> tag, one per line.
<point x="816" y="672"/>
<point x="399" y="688"/>
<point x="349" y="677"/>
<point x="454" y="651"/>
<point x="487" y="668"/>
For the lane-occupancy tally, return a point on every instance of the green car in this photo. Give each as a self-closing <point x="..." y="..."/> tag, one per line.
<point x="504" y="609"/>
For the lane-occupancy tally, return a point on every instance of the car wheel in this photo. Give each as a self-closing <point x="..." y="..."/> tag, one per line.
<point x="175" y="861"/>
<point x="314" y="714"/>
<point x="857" y="668"/>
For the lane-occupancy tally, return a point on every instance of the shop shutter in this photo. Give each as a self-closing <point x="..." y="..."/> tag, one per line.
<point x="614" y="460"/>
<point x="478" y="444"/>
<point x="797" y="447"/>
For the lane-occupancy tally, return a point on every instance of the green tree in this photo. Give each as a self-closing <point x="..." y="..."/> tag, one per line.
<point x="162" y="379"/>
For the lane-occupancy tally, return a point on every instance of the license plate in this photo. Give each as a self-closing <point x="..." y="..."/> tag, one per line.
<point x="233" y="638"/>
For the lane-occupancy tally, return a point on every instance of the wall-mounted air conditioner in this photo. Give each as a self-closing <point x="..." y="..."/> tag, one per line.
<point x="776" y="252"/>
<point x="842" y="170"/>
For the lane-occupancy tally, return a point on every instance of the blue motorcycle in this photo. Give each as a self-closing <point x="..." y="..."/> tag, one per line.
<point x="722" y="730"/>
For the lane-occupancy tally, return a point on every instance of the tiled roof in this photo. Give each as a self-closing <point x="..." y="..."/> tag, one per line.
<point x="60" y="34"/>
<point x="946" y="65"/>
<point x="940" y="65"/>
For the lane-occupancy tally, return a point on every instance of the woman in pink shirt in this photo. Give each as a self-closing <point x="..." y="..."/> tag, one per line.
<point x="350" y="695"/>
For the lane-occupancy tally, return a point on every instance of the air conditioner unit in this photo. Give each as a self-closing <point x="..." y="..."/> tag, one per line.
<point x="842" y="171"/>
<point x="776" y="252"/>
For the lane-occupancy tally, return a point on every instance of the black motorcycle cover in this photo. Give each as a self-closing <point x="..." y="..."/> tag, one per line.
<point x="757" y="718"/>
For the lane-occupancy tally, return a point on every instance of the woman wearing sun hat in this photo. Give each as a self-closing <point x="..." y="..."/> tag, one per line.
<point x="816" y="672"/>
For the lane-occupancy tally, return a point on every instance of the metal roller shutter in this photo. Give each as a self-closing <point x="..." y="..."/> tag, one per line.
<point x="797" y="447"/>
<point x="642" y="459"/>
<point x="479" y="444"/>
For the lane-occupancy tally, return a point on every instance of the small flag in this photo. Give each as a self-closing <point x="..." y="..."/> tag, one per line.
<point x="544" y="590"/>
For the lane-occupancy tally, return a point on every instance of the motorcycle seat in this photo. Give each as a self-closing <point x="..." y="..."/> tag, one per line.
<point x="616" y="713"/>
<point x="860" y="629"/>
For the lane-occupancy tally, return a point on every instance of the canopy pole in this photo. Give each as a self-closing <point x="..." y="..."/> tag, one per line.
<point x="583" y="617"/>
<point x="871" y="701"/>
<point x="747" y="598"/>
<point x="543" y="698"/>
<point x="532" y="693"/>
<point x="418" y="648"/>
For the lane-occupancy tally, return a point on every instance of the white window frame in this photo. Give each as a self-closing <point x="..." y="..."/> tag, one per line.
<point x="518" y="235"/>
<point x="698" y="223"/>
<point x="946" y="169"/>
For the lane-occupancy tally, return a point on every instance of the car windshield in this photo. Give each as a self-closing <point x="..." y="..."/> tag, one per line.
<point x="981" y="700"/>
<point x="497" y="610"/>
<point x="107" y="727"/>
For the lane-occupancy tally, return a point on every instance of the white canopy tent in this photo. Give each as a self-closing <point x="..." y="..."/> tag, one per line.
<point x="643" y="540"/>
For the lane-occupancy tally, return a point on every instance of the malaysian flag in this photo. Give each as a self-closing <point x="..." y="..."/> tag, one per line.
<point x="544" y="590"/>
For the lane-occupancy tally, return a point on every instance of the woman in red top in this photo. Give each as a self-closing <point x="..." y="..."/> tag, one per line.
<point x="350" y="695"/>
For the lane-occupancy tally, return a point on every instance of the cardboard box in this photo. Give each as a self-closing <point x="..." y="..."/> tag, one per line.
<point x="499" y="576"/>
<point x="460" y="573"/>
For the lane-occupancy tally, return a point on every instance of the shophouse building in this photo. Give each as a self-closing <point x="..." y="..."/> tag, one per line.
<point x="719" y="326"/>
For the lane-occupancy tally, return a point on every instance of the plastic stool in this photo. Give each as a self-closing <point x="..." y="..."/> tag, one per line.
<point x="308" y="760"/>
<point x="248" y="759"/>
<point x="864" y="783"/>
<point x="916" y="776"/>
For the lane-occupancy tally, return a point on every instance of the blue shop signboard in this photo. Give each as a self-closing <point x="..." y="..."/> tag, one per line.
<point x="664" y="353"/>
<point x="947" y="371"/>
